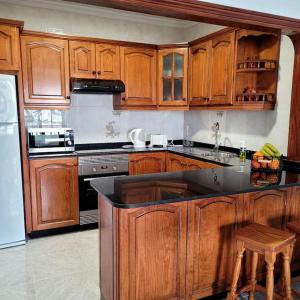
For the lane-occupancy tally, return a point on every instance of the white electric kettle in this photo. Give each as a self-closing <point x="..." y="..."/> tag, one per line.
<point x="137" y="137"/>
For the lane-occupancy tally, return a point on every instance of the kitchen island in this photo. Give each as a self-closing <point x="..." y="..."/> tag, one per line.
<point x="171" y="235"/>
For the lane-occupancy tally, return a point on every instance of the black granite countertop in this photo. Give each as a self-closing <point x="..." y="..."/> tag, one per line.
<point x="153" y="189"/>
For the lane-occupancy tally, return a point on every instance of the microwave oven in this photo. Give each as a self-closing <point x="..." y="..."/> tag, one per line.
<point x="50" y="140"/>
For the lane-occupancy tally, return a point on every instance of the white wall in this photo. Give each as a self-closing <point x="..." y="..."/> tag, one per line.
<point x="256" y="128"/>
<point x="90" y="114"/>
<point x="288" y="8"/>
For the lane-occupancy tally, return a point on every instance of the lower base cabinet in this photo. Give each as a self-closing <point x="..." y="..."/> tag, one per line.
<point x="183" y="250"/>
<point x="54" y="193"/>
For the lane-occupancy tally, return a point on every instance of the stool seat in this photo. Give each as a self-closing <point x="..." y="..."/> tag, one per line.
<point x="294" y="226"/>
<point x="268" y="241"/>
<point x="260" y="238"/>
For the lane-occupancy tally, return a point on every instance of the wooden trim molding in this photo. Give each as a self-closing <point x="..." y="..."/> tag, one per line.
<point x="16" y="23"/>
<point x="294" y="131"/>
<point x="200" y="11"/>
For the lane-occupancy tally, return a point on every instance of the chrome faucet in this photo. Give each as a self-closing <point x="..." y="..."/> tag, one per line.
<point x="217" y="135"/>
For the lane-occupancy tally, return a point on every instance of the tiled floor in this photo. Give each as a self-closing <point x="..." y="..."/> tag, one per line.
<point x="61" y="267"/>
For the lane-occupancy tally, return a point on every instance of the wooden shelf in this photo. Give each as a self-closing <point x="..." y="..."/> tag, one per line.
<point x="255" y="97"/>
<point x="248" y="70"/>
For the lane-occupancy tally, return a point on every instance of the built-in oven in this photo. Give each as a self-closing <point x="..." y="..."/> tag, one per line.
<point x="49" y="140"/>
<point x="91" y="168"/>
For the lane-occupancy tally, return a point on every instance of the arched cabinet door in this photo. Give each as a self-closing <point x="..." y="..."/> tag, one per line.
<point x="108" y="61"/>
<point x="211" y="227"/>
<point x="138" y="71"/>
<point x="146" y="163"/>
<point x="199" y="75"/>
<point x="54" y="193"/>
<point x="82" y="59"/>
<point x="45" y="64"/>
<point x="9" y="48"/>
<point x="153" y="252"/>
<point x="222" y="69"/>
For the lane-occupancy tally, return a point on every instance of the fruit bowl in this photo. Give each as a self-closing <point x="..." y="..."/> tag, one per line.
<point x="268" y="159"/>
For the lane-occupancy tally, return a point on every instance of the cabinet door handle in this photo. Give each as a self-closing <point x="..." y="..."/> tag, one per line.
<point x="184" y="99"/>
<point x="99" y="72"/>
<point x="68" y="97"/>
<point x="123" y="98"/>
<point x="94" y="72"/>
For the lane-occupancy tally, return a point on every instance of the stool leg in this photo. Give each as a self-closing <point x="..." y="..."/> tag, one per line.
<point x="253" y="275"/>
<point x="270" y="258"/>
<point x="236" y="273"/>
<point x="287" y="271"/>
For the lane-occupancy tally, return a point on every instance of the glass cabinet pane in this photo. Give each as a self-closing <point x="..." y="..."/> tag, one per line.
<point x="167" y="89"/>
<point x="178" y="89"/>
<point x="178" y="65"/>
<point x="167" y="65"/>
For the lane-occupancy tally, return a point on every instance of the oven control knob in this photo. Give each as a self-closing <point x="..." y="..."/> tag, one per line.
<point x="94" y="170"/>
<point x="69" y="143"/>
<point x="114" y="168"/>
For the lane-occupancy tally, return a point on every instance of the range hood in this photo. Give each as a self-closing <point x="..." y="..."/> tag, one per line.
<point x="96" y="86"/>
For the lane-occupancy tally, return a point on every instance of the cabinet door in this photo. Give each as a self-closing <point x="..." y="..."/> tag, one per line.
<point x="199" y="74"/>
<point x="172" y="77"/>
<point x="138" y="71"/>
<point x="175" y="163"/>
<point x="108" y="61"/>
<point x="9" y="48"/>
<point x="211" y="251"/>
<point x="195" y="164"/>
<point x="153" y="252"/>
<point x="82" y="59"/>
<point x="145" y="163"/>
<point x="45" y="65"/>
<point x="222" y="69"/>
<point x="54" y="193"/>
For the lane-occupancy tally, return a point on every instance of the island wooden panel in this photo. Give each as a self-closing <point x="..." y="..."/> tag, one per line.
<point x="183" y="250"/>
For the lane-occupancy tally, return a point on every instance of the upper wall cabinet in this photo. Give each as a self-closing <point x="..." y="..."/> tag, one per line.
<point x="45" y="65"/>
<point x="91" y="60"/>
<point x="138" y="72"/>
<point x="172" y="77"/>
<point x="199" y="74"/>
<point x="221" y="64"/>
<point x="256" y="68"/>
<point x="9" y="48"/>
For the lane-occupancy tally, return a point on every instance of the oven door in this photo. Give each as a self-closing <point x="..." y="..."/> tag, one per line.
<point x="88" y="198"/>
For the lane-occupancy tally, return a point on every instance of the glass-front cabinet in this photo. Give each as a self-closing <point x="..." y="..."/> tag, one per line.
<point x="172" y="80"/>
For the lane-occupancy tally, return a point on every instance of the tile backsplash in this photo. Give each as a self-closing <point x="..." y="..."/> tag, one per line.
<point x="47" y="118"/>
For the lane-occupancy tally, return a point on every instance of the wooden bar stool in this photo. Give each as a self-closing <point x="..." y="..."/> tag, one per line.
<point x="294" y="227"/>
<point x="269" y="242"/>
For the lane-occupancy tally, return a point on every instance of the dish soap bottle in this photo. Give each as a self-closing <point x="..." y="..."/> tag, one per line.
<point x="243" y="151"/>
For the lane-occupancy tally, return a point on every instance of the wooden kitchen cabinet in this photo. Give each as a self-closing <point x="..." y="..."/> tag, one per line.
<point x="176" y="163"/>
<point x="199" y="73"/>
<point x="211" y="249"/>
<point x="9" y="48"/>
<point x="92" y="60"/>
<point x="146" y="163"/>
<point x="54" y="193"/>
<point x="222" y="69"/>
<point x="45" y="65"/>
<point x="138" y="72"/>
<point x="172" y="77"/>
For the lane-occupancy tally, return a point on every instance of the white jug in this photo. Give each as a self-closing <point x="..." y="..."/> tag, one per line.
<point x="136" y="138"/>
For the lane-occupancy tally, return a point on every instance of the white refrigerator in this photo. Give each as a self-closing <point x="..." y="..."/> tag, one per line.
<point x="12" y="227"/>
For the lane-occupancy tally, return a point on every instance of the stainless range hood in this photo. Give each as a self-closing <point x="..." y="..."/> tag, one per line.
<point x="97" y="86"/>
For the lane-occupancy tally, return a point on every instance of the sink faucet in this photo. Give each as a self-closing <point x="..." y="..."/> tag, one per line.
<point x="217" y="135"/>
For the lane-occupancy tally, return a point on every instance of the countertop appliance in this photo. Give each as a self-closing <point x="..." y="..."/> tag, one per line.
<point x="49" y="140"/>
<point x="158" y="140"/>
<point x="137" y="137"/>
<point x="97" y="86"/>
<point x="91" y="167"/>
<point x="12" y="228"/>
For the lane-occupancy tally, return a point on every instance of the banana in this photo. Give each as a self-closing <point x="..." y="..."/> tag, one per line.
<point x="264" y="152"/>
<point x="269" y="151"/>
<point x="272" y="147"/>
<point x="277" y="154"/>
